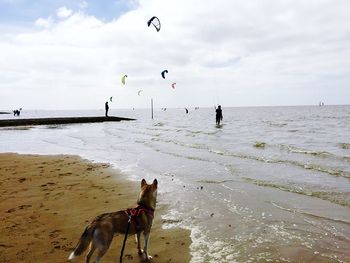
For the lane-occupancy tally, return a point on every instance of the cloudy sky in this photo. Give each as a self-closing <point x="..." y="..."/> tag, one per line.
<point x="71" y="54"/>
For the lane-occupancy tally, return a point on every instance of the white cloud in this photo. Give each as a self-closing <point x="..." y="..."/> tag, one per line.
<point x="64" y="12"/>
<point x="44" y="22"/>
<point x="230" y="52"/>
<point x="83" y="5"/>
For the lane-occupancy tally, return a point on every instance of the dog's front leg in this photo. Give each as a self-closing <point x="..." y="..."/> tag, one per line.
<point x="138" y="240"/>
<point x="146" y="238"/>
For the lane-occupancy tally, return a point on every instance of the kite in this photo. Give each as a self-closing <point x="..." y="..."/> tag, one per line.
<point x="139" y="92"/>
<point x="173" y="85"/>
<point x="163" y="73"/>
<point x="111" y="99"/>
<point x="123" y="79"/>
<point x="155" y="22"/>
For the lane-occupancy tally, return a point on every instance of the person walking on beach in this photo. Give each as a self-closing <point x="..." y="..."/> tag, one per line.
<point x="106" y="108"/>
<point x="218" y="115"/>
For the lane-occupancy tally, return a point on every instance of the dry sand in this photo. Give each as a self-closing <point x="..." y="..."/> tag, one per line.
<point x="46" y="202"/>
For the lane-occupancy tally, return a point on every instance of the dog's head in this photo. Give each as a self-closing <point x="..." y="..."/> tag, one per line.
<point x="148" y="194"/>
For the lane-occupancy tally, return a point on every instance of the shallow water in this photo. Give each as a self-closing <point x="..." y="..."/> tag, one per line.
<point x="272" y="184"/>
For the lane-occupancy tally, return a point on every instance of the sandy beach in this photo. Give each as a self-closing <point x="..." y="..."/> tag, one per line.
<point x="46" y="202"/>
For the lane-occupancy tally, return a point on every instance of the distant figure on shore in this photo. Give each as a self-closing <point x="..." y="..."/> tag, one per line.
<point x="186" y="110"/>
<point x="106" y="108"/>
<point x="16" y="112"/>
<point x="218" y="115"/>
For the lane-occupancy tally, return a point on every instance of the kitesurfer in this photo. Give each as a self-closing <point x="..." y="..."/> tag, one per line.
<point x="106" y="108"/>
<point x="218" y="115"/>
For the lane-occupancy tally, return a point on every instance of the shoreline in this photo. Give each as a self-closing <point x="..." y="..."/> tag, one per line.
<point x="47" y="200"/>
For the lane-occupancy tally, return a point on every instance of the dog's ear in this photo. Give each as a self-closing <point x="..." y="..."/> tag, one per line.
<point x="143" y="182"/>
<point x="155" y="183"/>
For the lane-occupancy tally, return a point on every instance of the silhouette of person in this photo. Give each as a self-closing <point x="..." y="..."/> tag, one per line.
<point x="218" y="115"/>
<point x="106" y="108"/>
<point x="186" y="110"/>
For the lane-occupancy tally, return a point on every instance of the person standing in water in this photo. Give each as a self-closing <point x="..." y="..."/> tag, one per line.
<point x="106" y="108"/>
<point x="218" y="115"/>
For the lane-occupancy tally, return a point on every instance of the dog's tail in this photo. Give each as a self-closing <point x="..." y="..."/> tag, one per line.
<point x="83" y="243"/>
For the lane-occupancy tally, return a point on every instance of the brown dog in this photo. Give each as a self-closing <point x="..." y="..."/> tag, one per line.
<point x="99" y="233"/>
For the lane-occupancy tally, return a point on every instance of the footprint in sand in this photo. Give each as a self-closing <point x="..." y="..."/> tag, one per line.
<point x="129" y="257"/>
<point x="33" y="217"/>
<point x="24" y="206"/>
<point x="54" y="233"/>
<point x="56" y="244"/>
<point x="5" y="246"/>
<point x="21" y="180"/>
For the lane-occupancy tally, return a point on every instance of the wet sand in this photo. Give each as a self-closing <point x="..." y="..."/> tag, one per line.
<point x="46" y="202"/>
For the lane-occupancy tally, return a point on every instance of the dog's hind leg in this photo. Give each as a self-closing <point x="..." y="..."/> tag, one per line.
<point x="91" y="251"/>
<point x="102" y="243"/>
<point x="101" y="253"/>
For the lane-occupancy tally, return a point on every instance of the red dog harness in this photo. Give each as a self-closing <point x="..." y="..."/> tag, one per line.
<point x="134" y="213"/>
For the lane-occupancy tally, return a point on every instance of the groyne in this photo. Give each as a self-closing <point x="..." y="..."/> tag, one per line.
<point x="61" y="120"/>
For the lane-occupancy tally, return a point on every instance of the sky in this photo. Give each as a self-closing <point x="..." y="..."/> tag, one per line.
<point x="71" y="54"/>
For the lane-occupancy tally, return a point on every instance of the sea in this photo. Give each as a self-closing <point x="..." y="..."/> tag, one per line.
<point x="272" y="184"/>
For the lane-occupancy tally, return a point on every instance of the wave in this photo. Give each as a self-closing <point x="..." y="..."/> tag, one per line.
<point x="260" y="144"/>
<point x="308" y="166"/>
<point x="214" y="181"/>
<point x="292" y="210"/>
<point x="329" y="219"/>
<point x="330" y="171"/>
<point x="294" y="149"/>
<point x="160" y="124"/>
<point x="340" y="198"/>
<point x="189" y="157"/>
<point x="19" y="128"/>
<point x="345" y="146"/>
<point x="275" y="124"/>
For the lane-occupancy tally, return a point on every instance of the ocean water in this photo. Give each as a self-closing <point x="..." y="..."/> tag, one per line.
<point x="271" y="184"/>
